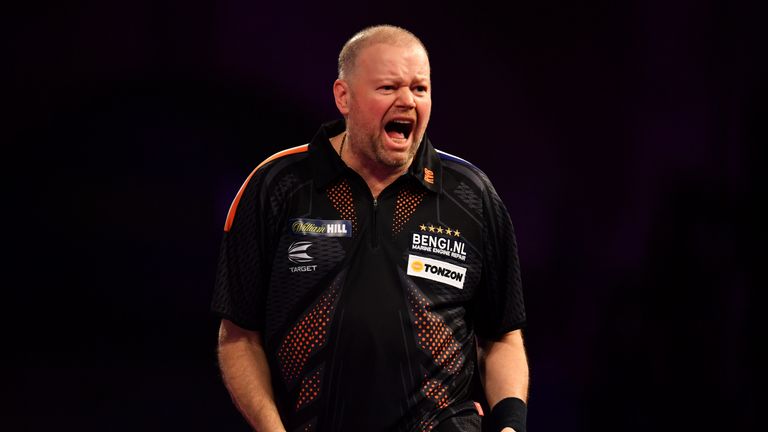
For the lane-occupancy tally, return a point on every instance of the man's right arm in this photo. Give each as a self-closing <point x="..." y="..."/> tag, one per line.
<point x="245" y="371"/>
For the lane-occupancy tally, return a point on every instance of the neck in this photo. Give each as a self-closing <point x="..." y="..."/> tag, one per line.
<point x="375" y="174"/>
<point x="378" y="178"/>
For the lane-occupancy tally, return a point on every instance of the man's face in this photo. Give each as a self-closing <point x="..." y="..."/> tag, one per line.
<point x="390" y="100"/>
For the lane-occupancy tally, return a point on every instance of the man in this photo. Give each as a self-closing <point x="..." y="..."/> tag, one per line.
<point x="358" y="272"/>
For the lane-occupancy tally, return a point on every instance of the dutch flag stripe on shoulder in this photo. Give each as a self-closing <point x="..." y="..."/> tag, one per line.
<point x="450" y="157"/>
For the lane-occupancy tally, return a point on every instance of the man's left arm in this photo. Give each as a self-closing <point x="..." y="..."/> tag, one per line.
<point x="504" y="373"/>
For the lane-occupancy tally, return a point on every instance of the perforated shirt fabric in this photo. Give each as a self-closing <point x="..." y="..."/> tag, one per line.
<point x="369" y="308"/>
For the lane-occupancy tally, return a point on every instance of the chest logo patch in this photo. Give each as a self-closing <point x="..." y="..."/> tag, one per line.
<point x="439" y="245"/>
<point x="438" y="271"/>
<point x="297" y="254"/>
<point x="321" y="227"/>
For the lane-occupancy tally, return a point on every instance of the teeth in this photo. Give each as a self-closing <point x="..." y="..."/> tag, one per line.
<point x="403" y="127"/>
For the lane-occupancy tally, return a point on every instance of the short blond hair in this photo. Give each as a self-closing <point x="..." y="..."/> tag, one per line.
<point x="386" y="34"/>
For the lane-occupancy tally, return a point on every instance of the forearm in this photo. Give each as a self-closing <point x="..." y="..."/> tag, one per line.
<point x="504" y="368"/>
<point x="246" y="374"/>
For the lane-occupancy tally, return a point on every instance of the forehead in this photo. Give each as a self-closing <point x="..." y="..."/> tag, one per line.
<point x="407" y="61"/>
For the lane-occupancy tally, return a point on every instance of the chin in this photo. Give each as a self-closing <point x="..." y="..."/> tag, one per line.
<point x="396" y="159"/>
<point x="392" y="158"/>
<point x="393" y="162"/>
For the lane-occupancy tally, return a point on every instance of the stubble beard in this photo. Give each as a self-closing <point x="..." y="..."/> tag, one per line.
<point x="375" y="150"/>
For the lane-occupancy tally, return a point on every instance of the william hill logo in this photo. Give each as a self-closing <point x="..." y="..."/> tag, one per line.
<point x="321" y="227"/>
<point x="438" y="271"/>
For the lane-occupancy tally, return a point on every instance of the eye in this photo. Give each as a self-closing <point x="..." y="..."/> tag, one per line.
<point x="387" y="88"/>
<point x="421" y="89"/>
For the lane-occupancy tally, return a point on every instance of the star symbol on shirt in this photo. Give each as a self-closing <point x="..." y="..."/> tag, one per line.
<point x="439" y="230"/>
<point x="456" y="233"/>
<point x="431" y="228"/>
<point x="448" y="231"/>
<point x="423" y="227"/>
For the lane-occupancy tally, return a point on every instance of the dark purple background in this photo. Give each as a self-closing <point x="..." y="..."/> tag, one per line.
<point x="625" y="138"/>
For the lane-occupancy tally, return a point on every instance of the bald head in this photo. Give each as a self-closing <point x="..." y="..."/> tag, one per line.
<point x="381" y="34"/>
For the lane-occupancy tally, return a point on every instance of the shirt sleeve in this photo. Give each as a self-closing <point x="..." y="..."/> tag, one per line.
<point x="499" y="307"/>
<point x="243" y="273"/>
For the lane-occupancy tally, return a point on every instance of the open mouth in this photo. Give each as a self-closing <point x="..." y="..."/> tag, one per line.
<point x="399" y="129"/>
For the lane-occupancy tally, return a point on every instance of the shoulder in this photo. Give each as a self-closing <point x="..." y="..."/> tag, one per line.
<point x="458" y="171"/>
<point x="285" y="165"/>
<point x="284" y="160"/>
<point x="288" y="162"/>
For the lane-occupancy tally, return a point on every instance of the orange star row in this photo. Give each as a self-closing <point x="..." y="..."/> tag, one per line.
<point x="438" y="229"/>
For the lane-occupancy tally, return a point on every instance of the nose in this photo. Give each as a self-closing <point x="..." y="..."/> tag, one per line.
<point x="405" y="98"/>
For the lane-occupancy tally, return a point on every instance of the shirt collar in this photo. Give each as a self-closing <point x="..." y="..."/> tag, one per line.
<point x="425" y="168"/>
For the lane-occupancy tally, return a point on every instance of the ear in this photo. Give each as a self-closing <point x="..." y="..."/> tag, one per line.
<point x="341" y="95"/>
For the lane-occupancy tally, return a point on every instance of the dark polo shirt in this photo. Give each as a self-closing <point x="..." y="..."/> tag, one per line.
<point x="368" y="307"/>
